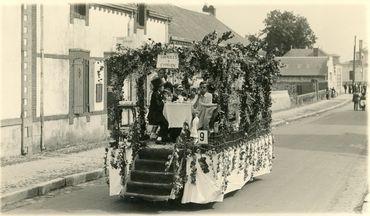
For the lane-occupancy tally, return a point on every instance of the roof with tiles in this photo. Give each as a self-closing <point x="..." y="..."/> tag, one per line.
<point x="304" y="53"/>
<point x="193" y="26"/>
<point x="304" y="66"/>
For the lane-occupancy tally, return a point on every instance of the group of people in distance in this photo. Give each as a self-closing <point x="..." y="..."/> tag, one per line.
<point x="330" y="93"/>
<point x="358" y="91"/>
<point x="163" y="92"/>
<point x="353" y="87"/>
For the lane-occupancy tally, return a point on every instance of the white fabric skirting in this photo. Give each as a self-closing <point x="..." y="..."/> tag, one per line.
<point x="208" y="187"/>
<point x="116" y="186"/>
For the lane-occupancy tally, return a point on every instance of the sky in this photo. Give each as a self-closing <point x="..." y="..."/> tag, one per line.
<point x="334" y="23"/>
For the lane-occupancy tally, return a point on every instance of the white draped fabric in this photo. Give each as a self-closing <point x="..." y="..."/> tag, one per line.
<point x="208" y="186"/>
<point x="177" y="113"/>
<point x="116" y="187"/>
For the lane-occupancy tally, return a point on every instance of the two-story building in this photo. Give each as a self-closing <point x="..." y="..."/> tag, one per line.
<point x="53" y="93"/>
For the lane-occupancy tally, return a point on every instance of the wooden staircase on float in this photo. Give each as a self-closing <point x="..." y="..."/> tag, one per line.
<point x="148" y="178"/>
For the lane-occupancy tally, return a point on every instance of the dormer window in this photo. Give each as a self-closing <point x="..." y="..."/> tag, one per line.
<point x="140" y="18"/>
<point x="80" y="11"/>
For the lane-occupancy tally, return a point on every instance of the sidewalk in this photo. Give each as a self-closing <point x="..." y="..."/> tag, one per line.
<point x="281" y="117"/>
<point x="28" y="179"/>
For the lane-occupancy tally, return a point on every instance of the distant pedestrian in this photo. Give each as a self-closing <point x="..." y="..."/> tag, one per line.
<point x="362" y="102"/>
<point x="349" y="89"/>
<point x="333" y="92"/>
<point x="327" y="93"/>
<point x="356" y="101"/>
<point x="353" y="88"/>
<point x="360" y="88"/>
<point x="364" y="89"/>
<point x="345" y="88"/>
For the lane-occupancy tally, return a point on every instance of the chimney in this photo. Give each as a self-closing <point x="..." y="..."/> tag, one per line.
<point x="316" y="52"/>
<point x="209" y="9"/>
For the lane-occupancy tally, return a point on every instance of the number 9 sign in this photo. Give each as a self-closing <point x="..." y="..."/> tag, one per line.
<point x="203" y="136"/>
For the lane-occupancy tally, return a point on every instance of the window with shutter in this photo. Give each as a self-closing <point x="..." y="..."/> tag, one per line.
<point x="86" y="86"/>
<point x="80" y="82"/>
<point x="91" y="84"/>
<point x="78" y="74"/>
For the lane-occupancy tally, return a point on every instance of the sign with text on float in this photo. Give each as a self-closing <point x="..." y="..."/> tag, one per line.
<point x="169" y="60"/>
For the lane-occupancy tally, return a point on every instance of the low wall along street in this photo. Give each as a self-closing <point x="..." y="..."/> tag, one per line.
<point x="280" y="100"/>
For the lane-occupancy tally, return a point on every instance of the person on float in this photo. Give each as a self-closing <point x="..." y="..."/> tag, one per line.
<point x="192" y="96"/>
<point x="204" y="106"/>
<point x="178" y="93"/>
<point x="155" y="114"/>
<point x="177" y="98"/>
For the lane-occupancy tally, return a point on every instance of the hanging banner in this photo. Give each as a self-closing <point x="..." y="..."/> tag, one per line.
<point x="170" y="60"/>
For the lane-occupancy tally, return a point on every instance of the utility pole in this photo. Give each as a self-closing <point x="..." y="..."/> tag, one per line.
<point x="354" y="61"/>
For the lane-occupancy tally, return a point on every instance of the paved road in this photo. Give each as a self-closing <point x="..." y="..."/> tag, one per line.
<point x="320" y="166"/>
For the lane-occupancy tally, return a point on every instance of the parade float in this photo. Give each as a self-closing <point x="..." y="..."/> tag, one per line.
<point x="193" y="169"/>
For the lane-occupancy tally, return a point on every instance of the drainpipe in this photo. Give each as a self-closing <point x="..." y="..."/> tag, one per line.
<point x="42" y="144"/>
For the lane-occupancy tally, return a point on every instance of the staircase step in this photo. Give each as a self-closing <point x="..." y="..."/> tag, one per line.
<point x="150" y="165"/>
<point x="155" y="153"/>
<point x="149" y="188"/>
<point x="148" y="197"/>
<point x="153" y="177"/>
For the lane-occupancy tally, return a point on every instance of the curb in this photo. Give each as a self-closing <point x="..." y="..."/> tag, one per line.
<point x="281" y="122"/>
<point x="46" y="187"/>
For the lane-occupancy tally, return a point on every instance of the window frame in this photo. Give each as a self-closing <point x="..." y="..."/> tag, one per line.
<point x="136" y="18"/>
<point x="74" y="14"/>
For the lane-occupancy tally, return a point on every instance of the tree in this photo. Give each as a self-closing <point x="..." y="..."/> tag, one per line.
<point x="285" y="30"/>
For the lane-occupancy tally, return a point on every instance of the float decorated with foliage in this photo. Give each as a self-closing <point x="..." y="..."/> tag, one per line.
<point x="189" y="170"/>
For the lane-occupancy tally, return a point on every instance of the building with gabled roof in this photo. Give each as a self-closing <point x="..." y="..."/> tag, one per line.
<point x="309" y="70"/>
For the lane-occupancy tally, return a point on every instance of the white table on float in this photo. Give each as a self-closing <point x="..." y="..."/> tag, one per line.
<point x="177" y="113"/>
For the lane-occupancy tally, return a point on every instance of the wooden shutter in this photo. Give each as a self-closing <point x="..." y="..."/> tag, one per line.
<point x="91" y="84"/>
<point x="78" y="74"/>
<point x="86" y="86"/>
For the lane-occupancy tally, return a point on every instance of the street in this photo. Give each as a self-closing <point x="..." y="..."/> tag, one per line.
<point x="320" y="167"/>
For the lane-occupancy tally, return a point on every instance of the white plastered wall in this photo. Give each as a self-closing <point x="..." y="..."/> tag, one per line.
<point x="10" y="96"/>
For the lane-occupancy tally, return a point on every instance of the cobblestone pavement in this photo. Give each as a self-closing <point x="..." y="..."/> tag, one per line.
<point x="16" y="176"/>
<point x="22" y="175"/>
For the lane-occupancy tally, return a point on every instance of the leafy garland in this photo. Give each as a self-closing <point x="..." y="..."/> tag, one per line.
<point x="221" y="63"/>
